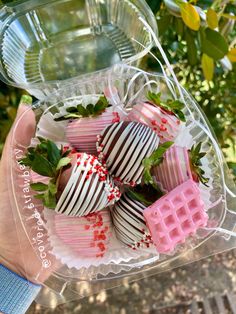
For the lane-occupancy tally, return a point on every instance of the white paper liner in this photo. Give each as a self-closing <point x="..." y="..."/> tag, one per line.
<point x="116" y="254"/>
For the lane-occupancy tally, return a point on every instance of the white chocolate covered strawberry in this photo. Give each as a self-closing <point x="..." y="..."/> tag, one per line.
<point x="86" y="188"/>
<point x="78" y="183"/>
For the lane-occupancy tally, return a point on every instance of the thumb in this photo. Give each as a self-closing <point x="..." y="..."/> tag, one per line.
<point x="25" y="103"/>
<point x="24" y="126"/>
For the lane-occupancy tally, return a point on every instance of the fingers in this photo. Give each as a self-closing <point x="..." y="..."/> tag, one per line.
<point x="23" y="128"/>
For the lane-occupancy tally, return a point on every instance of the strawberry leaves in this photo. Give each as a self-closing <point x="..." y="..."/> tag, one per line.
<point x="172" y="106"/>
<point x="84" y="112"/>
<point x="145" y="194"/>
<point x="47" y="160"/>
<point x="195" y="156"/>
<point x="39" y="187"/>
<point x="154" y="160"/>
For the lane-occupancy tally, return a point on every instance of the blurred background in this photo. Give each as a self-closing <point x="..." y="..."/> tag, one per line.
<point x="203" y="56"/>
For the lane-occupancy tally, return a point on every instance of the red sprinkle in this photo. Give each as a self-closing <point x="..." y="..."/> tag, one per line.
<point x="163" y="128"/>
<point x="101" y="246"/>
<point x="163" y="120"/>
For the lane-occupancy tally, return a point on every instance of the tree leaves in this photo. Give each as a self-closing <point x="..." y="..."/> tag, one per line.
<point x="207" y="67"/>
<point x="192" y="49"/>
<point x="190" y="15"/>
<point x="212" y="18"/>
<point x="232" y="55"/>
<point x="154" y="5"/>
<point x="213" y="44"/>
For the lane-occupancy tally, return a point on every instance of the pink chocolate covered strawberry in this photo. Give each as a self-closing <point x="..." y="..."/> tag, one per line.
<point x="178" y="165"/>
<point x="79" y="184"/>
<point x="87" y="236"/>
<point x="164" y="117"/>
<point x="86" y="122"/>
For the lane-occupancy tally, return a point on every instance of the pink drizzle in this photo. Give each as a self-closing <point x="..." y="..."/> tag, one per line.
<point x="175" y="168"/>
<point x="82" y="133"/>
<point x="87" y="236"/>
<point x="165" y="125"/>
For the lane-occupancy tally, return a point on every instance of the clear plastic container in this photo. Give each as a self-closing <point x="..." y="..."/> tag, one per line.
<point x="77" y="277"/>
<point x="47" y="44"/>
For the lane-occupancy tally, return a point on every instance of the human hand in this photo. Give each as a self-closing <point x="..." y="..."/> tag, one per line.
<point x="16" y="249"/>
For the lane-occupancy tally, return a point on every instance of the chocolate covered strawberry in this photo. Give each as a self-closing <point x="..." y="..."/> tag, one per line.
<point x="78" y="185"/>
<point x="164" y="117"/>
<point x="87" y="188"/>
<point x="87" y="236"/>
<point x="129" y="222"/>
<point x="86" y="122"/>
<point x="122" y="147"/>
<point x="178" y="165"/>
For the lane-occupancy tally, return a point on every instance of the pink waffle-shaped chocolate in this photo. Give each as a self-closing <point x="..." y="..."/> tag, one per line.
<point x="175" y="216"/>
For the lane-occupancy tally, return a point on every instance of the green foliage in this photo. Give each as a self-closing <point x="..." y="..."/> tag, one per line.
<point x="89" y="111"/>
<point x="213" y="44"/>
<point x="47" y="160"/>
<point x="154" y="160"/>
<point x="196" y="155"/>
<point x="196" y="59"/>
<point x="145" y="194"/>
<point x="170" y="105"/>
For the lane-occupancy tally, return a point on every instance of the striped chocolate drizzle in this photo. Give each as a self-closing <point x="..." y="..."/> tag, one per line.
<point x="123" y="146"/>
<point x="129" y="223"/>
<point x="85" y="193"/>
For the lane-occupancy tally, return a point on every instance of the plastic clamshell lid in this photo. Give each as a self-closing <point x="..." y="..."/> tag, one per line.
<point x="47" y="44"/>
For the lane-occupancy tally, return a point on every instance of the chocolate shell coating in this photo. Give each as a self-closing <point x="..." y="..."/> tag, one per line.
<point x="129" y="222"/>
<point x="123" y="146"/>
